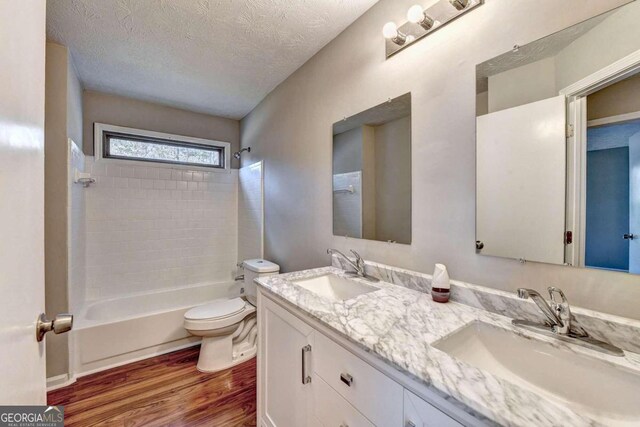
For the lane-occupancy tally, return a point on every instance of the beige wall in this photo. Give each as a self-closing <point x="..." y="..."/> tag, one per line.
<point x="291" y="130"/>
<point x="128" y="112"/>
<point x="523" y="85"/>
<point x="601" y="46"/>
<point x="482" y="103"/>
<point x="620" y="98"/>
<point x="369" y="189"/>
<point x="347" y="151"/>
<point x="63" y="119"/>
<point x="393" y="180"/>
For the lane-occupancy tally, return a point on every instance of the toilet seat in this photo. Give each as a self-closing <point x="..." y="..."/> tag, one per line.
<point x="217" y="309"/>
<point x="229" y="327"/>
<point x="217" y="315"/>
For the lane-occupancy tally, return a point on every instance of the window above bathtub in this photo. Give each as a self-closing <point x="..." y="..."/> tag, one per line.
<point x="122" y="144"/>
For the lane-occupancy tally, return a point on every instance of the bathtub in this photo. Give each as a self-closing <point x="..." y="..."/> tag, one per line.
<point x="113" y="332"/>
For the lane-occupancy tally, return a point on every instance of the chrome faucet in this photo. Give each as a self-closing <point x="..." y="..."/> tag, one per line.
<point x="358" y="266"/>
<point x="558" y="314"/>
<point x="558" y="321"/>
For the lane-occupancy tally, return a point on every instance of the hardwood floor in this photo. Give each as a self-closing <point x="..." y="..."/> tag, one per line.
<point x="165" y="390"/>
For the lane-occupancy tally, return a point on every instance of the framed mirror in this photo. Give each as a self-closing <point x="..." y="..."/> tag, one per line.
<point x="558" y="147"/>
<point x="372" y="173"/>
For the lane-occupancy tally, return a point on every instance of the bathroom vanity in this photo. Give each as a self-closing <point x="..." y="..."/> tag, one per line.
<point x="342" y="351"/>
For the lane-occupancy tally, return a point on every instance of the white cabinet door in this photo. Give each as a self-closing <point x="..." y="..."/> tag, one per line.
<point x="22" y="73"/>
<point x="284" y="397"/>
<point x="418" y="413"/>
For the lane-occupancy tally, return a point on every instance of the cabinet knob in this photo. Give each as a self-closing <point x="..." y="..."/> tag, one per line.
<point x="409" y="423"/>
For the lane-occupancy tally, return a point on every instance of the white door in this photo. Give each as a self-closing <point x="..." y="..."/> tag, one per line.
<point x="634" y="203"/>
<point x="284" y="358"/>
<point x="521" y="170"/>
<point x="22" y="56"/>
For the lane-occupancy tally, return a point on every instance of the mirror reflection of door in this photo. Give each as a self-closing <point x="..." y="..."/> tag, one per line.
<point x="612" y="232"/>
<point x="524" y="210"/>
<point x="520" y="169"/>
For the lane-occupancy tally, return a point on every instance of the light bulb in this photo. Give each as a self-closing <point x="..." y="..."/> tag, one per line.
<point x="390" y="30"/>
<point x="415" y="14"/>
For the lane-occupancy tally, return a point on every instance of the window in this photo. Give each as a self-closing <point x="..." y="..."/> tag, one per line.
<point x="117" y="143"/>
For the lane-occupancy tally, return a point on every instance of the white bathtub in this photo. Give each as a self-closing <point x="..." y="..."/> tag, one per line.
<point x="116" y="331"/>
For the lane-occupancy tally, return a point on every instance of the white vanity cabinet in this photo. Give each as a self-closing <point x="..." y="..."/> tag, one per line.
<point x="307" y="376"/>
<point x="284" y="386"/>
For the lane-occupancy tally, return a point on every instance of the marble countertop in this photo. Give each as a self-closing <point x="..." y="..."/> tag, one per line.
<point x="399" y="325"/>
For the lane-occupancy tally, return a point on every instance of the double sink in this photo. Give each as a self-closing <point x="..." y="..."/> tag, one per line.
<point x="587" y="382"/>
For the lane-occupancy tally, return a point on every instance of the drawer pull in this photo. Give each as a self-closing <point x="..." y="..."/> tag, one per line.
<point x="347" y="379"/>
<point x="306" y="379"/>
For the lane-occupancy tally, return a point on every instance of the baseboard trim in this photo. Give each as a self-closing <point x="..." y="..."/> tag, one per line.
<point x="59" y="381"/>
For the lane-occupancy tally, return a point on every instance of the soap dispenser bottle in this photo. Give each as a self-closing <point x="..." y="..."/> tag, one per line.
<point x="440" y="284"/>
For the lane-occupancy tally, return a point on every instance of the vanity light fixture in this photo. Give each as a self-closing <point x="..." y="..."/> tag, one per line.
<point x="422" y="22"/>
<point x="416" y="15"/>
<point x="459" y="4"/>
<point x="390" y="32"/>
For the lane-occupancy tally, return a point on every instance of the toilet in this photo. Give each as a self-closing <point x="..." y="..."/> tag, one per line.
<point x="228" y="327"/>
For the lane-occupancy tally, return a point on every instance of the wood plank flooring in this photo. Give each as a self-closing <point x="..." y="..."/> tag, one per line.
<point x="165" y="390"/>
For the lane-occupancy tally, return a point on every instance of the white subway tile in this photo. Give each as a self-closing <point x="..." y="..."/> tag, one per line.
<point x="152" y="173"/>
<point x="149" y="228"/>
<point x="113" y="170"/>
<point x="140" y="172"/>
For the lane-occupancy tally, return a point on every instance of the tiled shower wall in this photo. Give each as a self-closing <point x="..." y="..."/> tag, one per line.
<point x="152" y="228"/>
<point x="250" y="212"/>
<point x="76" y="212"/>
<point x="347" y="206"/>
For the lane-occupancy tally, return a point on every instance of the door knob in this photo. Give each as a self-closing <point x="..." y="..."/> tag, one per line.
<point x="61" y="324"/>
<point x="627" y="236"/>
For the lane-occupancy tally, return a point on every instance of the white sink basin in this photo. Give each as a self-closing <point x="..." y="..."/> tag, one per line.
<point x="605" y="392"/>
<point x="335" y="287"/>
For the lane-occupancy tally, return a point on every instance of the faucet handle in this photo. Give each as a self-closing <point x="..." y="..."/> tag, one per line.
<point x="359" y="262"/>
<point x="553" y="291"/>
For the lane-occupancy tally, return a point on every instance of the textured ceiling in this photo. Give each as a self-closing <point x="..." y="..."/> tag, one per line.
<point x="216" y="56"/>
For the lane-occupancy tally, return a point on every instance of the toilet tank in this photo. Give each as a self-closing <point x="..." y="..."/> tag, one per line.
<point x="254" y="268"/>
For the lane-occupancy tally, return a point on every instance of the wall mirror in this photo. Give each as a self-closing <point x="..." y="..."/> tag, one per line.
<point x="558" y="147"/>
<point x="372" y="173"/>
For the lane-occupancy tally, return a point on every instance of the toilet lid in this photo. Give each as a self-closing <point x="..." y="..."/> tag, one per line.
<point x="216" y="309"/>
<point x="260" y="265"/>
